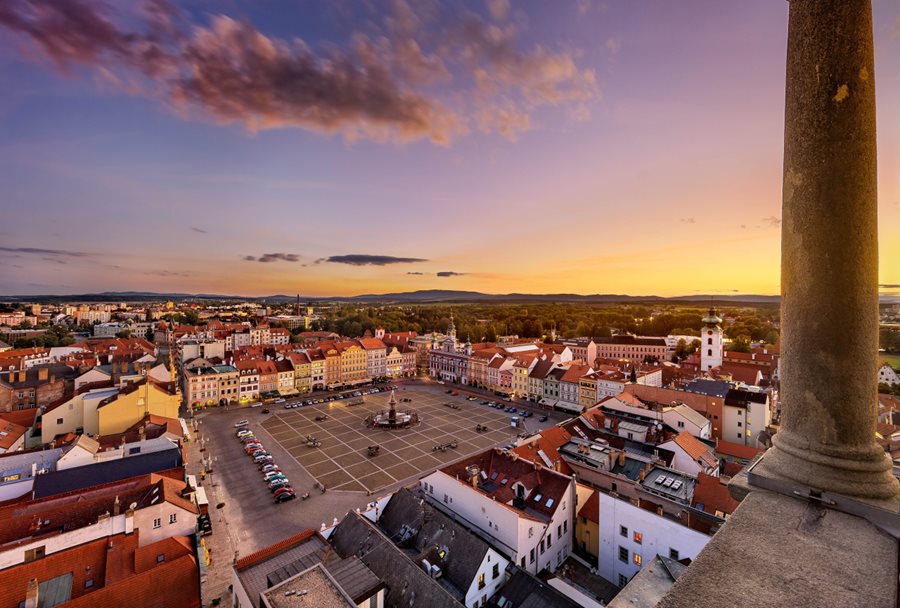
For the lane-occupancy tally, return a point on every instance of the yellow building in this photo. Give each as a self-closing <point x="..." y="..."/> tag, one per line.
<point x="354" y="363"/>
<point x="134" y="401"/>
<point x="587" y="523"/>
<point x="587" y="390"/>
<point x="302" y="371"/>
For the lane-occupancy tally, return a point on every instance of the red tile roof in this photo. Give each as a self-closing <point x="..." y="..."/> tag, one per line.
<point x="696" y="449"/>
<point x="273" y="550"/>
<point x="736" y="450"/>
<point x="548" y="441"/>
<point x="710" y="492"/>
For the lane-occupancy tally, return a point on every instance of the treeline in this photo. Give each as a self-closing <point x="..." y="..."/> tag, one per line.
<point x="485" y="322"/>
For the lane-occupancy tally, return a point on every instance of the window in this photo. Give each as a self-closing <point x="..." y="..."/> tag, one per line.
<point x="638" y="537"/>
<point x="157" y="522"/>
<point x="542" y="547"/>
<point x="709" y="352"/>
<point x="623" y="531"/>
<point x="636" y="558"/>
<point x="739" y="435"/>
<point x="550" y="539"/>
<point x="531" y="556"/>
<point x="623" y="555"/>
<point x="160" y="558"/>
<point x="481" y="581"/>
<point x="59" y="421"/>
<point x="173" y="518"/>
<point x="681" y="424"/>
<point x="559" y="531"/>
<point x="673" y="554"/>
<point x="496" y="571"/>
<point x="623" y="580"/>
<point x="33" y="554"/>
<point x="88" y="583"/>
<point x="740" y="424"/>
<point x="565" y="525"/>
<point x="709" y="341"/>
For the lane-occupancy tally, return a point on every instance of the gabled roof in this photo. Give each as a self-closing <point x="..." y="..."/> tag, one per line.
<point x="77" y="478"/>
<point x="404" y="521"/>
<point x="407" y="584"/>
<point x="711" y="495"/>
<point x="696" y="449"/>
<point x="523" y="590"/>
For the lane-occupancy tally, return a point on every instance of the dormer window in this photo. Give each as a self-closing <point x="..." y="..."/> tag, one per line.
<point x="537" y="497"/>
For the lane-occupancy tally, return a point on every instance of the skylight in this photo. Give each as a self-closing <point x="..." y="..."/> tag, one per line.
<point x="503" y="481"/>
<point x="537" y="497"/>
<point x="549" y="502"/>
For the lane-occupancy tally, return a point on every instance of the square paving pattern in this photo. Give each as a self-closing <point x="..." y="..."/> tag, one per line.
<point x="342" y="461"/>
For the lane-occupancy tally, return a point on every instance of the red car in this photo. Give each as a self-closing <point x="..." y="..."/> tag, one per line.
<point x="280" y="491"/>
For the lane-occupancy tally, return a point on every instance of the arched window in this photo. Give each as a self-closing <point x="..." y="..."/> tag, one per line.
<point x="709" y="341"/>
<point x="709" y="352"/>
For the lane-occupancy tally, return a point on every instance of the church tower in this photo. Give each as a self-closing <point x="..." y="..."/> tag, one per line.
<point x="711" y="348"/>
<point x="451" y="329"/>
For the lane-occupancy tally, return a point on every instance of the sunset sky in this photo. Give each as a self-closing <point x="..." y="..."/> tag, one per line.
<point x="342" y="147"/>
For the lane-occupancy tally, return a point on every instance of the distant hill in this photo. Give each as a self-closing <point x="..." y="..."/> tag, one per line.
<point x="421" y="296"/>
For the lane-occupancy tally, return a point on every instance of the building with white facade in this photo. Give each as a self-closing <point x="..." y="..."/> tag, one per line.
<point x="524" y="508"/>
<point x="712" y="347"/>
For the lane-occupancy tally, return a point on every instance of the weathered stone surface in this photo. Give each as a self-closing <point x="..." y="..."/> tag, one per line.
<point x="829" y="253"/>
<point x="779" y="551"/>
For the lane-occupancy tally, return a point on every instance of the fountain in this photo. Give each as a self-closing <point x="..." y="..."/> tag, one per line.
<point x="392" y="419"/>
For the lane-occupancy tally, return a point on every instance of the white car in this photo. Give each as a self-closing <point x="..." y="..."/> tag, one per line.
<point x="241" y="423"/>
<point x="257" y="404"/>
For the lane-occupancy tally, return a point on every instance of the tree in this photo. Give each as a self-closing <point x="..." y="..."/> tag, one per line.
<point x="149" y="336"/>
<point x="125" y="333"/>
<point x="741" y="344"/>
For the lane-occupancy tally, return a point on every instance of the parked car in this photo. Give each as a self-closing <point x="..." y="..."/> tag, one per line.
<point x="241" y="423"/>
<point x="543" y="418"/>
<point x="278" y="483"/>
<point x="273" y="475"/>
<point x="286" y="496"/>
<point x="248" y="438"/>
<point x="257" y="404"/>
<point x="252" y="447"/>
<point x="243" y="433"/>
<point x="270" y="467"/>
<point x="526" y="414"/>
<point x="279" y="401"/>
<point x="284" y="490"/>
<point x="265" y="410"/>
<point x="262" y="456"/>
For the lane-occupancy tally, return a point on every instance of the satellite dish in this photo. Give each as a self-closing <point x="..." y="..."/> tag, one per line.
<point x="132" y="506"/>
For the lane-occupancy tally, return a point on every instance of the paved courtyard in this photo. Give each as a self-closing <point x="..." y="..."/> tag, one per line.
<point x="342" y="462"/>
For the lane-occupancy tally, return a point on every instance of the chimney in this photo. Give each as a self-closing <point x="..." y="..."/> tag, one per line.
<point x="659" y="510"/>
<point x="117" y="507"/>
<point x="643" y="474"/>
<point x="622" y="458"/>
<point x="31" y="594"/>
<point x="22" y="373"/>
<point x="129" y="521"/>
<point x="43" y="374"/>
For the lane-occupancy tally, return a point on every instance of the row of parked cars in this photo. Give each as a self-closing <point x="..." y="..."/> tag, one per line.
<point x="511" y="410"/>
<point x="279" y="485"/>
<point x="338" y="397"/>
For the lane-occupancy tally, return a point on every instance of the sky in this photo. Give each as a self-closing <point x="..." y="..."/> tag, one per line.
<point x="257" y="147"/>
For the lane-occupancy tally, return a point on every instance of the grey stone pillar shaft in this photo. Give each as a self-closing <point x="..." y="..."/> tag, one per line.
<point x="829" y="253"/>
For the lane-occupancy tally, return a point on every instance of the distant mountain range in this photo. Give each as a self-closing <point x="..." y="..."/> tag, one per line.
<point x="421" y="296"/>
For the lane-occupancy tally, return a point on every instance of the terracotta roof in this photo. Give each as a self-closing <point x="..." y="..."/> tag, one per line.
<point x="736" y="450"/>
<point x="591" y="508"/>
<point x="696" y="449"/>
<point x="713" y="495"/>
<point x="575" y="372"/>
<point x="548" y="441"/>
<point x="10" y="432"/>
<point x="272" y="550"/>
<point x="371" y="343"/>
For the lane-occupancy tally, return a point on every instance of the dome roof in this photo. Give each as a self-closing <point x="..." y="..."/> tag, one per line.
<point x="712" y="318"/>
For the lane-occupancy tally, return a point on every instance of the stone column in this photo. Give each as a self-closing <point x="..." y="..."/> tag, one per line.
<point x="829" y="257"/>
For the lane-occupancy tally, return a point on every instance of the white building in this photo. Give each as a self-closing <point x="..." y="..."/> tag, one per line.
<point x="887" y="375"/>
<point x="712" y="347"/>
<point x="631" y="537"/>
<point x="692" y="456"/>
<point x="524" y="508"/>
<point x="744" y="414"/>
